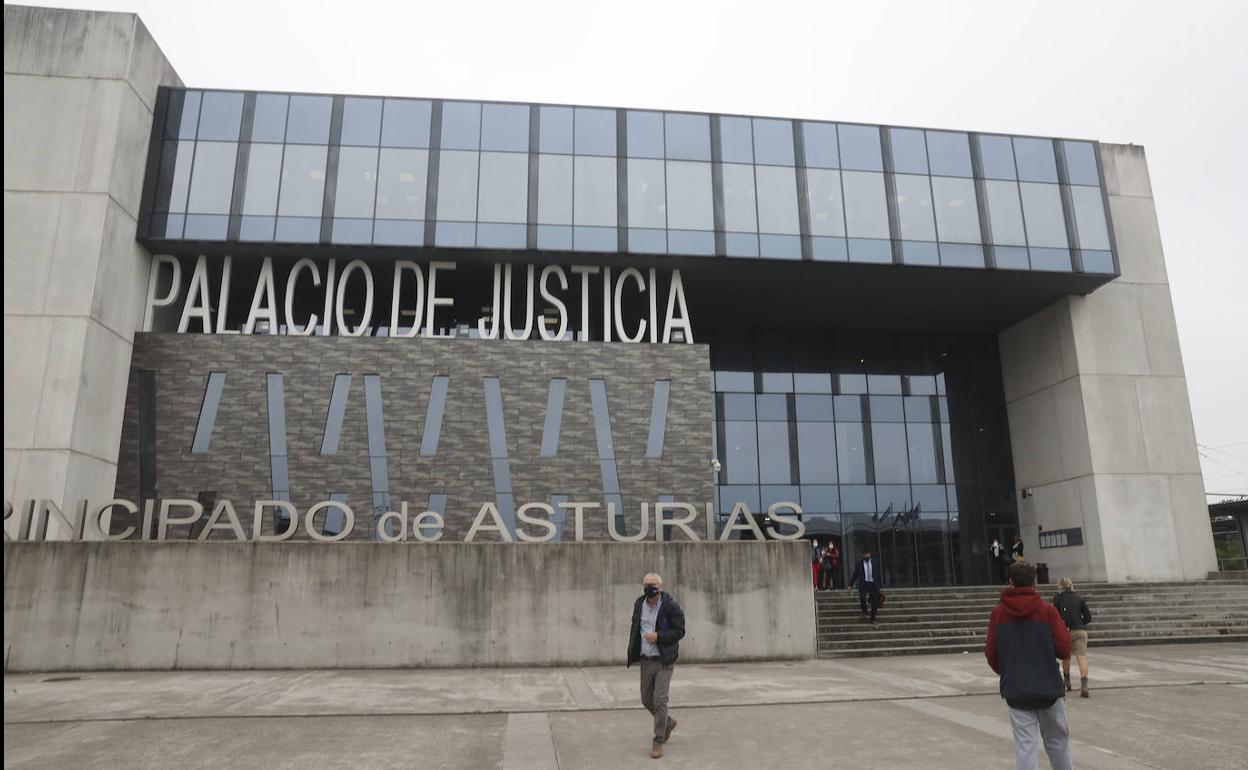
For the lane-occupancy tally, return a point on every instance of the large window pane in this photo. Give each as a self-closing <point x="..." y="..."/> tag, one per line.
<point x="820" y="145"/>
<point x="996" y="157"/>
<point x="212" y="182"/>
<point x="554" y="189"/>
<point x="1035" y="161"/>
<point x="740" y="462"/>
<point x="827" y="212"/>
<point x="1090" y="218"/>
<point x="645" y="134"/>
<point x="1080" y="163"/>
<point x="220" y="116"/>
<point x="401" y="184"/>
<point x="594" y="192"/>
<point x="457" y="186"/>
<point x="405" y="123"/>
<point x="308" y="119"/>
<point x="595" y="132"/>
<point x="303" y="181"/>
<point x="647" y="196"/>
<point x="1005" y="213"/>
<point x="740" y="212"/>
<point x="851" y="453"/>
<point x="908" y="149"/>
<point x="175" y="175"/>
<point x="690" y="206"/>
<point x="688" y="137"/>
<point x="889" y="451"/>
<point x="777" y="200"/>
<point x="914" y="207"/>
<point x="773" y="453"/>
<point x="736" y="140"/>
<point x="866" y="214"/>
<point x="922" y="451"/>
<point x="357" y="182"/>
<point x="860" y="148"/>
<point x="957" y="215"/>
<point x="505" y="127"/>
<point x="555" y="129"/>
<point x="268" y="123"/>
<point x="182" y="119"/>
<point x="504" y="195"/>
<point x="816" y="452"/>
<point x="948" y="153"/>
<point x="361" y="121"/>
<point x="264" y="174"/>
<point x="461" y="126"/>
<point x="773" y="142"/>
<point x="1042" y="209"/>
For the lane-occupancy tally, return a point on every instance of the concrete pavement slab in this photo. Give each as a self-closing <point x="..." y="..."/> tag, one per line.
<point x="1174" y="706"/>
<point x="383" y="742"/>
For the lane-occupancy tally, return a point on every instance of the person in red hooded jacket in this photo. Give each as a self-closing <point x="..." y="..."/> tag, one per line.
<point x="1026" y="636"/>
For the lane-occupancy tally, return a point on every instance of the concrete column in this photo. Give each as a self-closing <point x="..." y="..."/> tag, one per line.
<point x="79" y="92"/>
<point x="1099" y="415"/>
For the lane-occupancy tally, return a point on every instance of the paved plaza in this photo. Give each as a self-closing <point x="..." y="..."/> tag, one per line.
<point x="1177" y="706"/>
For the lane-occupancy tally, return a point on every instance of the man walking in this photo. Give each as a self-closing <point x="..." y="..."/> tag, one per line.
<point x="1025" y="636"/>
<point x="867" y="576"/>
<point x="654" y="639"/>
<point x="996" y="552"/>
<point x="1075" y="613"/>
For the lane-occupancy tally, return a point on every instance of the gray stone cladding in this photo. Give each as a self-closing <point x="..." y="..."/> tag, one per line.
<point x="237" y="465"/>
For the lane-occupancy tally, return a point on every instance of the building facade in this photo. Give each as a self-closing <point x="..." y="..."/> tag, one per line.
<point x="910" y="339"/>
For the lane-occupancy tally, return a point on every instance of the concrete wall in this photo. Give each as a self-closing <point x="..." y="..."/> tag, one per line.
<point x="237" y="467"/>
<point x="110" y="606"/>
<point x="1100" y="421"/>
<point x="79" y="90"/>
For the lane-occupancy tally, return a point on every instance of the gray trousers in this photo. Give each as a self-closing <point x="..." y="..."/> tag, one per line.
<point x="1029" y="726"/>
<point x="656" y="680"/>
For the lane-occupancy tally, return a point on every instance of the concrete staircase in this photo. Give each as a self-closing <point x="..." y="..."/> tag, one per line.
<point x="955" y="619"/>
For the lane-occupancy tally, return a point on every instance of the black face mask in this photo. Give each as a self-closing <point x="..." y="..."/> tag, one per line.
<point x="652" y="591"/>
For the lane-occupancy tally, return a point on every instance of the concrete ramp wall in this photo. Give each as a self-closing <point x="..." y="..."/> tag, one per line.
<point x="122" y="606"/>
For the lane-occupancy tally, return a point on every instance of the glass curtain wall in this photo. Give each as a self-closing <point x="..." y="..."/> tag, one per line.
<point x="893" y="441"/>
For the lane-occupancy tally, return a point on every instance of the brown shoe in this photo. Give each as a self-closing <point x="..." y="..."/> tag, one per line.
<point x="656" y="751"/>
<point x="671" y="725"/>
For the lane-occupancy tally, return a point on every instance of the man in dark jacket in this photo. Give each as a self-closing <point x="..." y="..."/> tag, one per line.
<point x="1025" y="636"/>
<point x="868" y="578"/>
<point x="654" y="639"/>
<point x="1075" y="613"/>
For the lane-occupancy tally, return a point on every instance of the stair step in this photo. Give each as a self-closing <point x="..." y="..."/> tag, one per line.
<point x="954" y="618"/>
<point x="1098" y="628"/>
<point x="977" y="642"/>
<point x="875" y="651"/>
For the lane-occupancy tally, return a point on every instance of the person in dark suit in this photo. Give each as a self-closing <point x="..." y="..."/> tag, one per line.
<point x="867" y="577"/>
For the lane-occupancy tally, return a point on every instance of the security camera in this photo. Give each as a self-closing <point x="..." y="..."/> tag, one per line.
<point x="715" y="466"/>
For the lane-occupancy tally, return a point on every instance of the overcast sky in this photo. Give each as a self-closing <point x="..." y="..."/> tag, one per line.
<point x="1169" y="76"/>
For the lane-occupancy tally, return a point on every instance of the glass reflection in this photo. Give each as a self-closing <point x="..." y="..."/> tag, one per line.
<point x="885" y="467"/>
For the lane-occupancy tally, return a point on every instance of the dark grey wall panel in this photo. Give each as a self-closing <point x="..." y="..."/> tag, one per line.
<point x="237" y="466"/>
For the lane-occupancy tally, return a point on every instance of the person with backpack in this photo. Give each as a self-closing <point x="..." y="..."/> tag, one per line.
<point x="1075" y="613"/>
<point x="1025" y="635"/>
